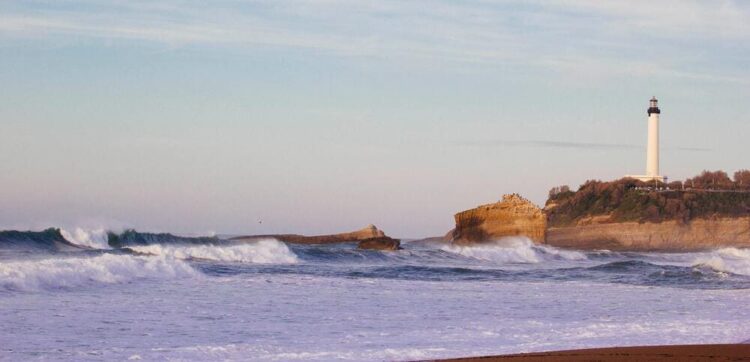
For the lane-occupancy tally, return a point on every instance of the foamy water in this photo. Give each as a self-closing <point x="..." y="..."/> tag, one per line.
<point x="89" y="238"/>
<point x="514" y="250"/>
<point x="266" y="251"/>
<point x="206" y="299"/>
<point x="73" y="272"/>
<point x="729" y="260"/>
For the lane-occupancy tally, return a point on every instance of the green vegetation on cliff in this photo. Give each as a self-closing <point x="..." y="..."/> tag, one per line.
<point x="710" y="194"/>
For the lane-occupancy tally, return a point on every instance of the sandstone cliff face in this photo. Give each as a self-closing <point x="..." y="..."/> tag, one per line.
<point x="512" y="216"/>
<point x="516" y="216"/>
<point x="696" y="234"/>
<point x="369" y="232"/>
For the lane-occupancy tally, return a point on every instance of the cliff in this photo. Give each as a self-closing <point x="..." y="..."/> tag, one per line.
<point x="618" y="215"/>
<point x="628" y="200"/>
<point x="512" y="216"/>
<point x="376" y="238"/>
<point x="627" y="214"/>
<point x="696" y="234"/>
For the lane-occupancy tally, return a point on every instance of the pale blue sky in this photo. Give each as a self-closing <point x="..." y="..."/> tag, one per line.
<point x="321" y="116"/>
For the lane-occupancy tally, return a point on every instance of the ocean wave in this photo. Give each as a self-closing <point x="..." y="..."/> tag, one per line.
<point x="513" y="250"/>
<point x="266" y="251"/>
<point x="132" y="237"/>
<point x="93" y="239"/>
<point x="48" y="240"/>
<point x="623" y="266"/>
<point x="73" y="272"/>
<point x="56" y="239"/>
<point x="728" y="260"/>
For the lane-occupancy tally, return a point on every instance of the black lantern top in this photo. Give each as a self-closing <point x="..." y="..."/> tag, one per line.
<point x="653" y="106"/>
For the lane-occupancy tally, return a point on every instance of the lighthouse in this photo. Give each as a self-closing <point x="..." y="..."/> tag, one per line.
<point x="652" y="150"/>
<point x="652" y="147"/>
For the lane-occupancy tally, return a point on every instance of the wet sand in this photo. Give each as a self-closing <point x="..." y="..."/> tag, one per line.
<point x="688" y="353"/>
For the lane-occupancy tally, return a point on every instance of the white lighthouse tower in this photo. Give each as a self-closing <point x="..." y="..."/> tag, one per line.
<point x="652" y="147"/>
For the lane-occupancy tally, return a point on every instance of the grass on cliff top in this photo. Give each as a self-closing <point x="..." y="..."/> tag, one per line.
<point x="711" y="194"/>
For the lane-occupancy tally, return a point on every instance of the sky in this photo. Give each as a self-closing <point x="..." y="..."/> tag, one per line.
<point x="321" y="116"/>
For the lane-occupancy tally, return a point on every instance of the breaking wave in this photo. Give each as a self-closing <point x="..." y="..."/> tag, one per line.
<point x="728" y="260"/>
<point x="513" y="250"/>
<point x="266" y="251"/>
<point x="54" y="239"/>
<point x="73" y="272"/>
<point x="131" y="237"/>
<point x="48" y="240"/>
<point x="93" y="239"/>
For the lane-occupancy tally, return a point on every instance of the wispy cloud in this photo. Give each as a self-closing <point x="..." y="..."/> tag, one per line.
<point x="666" y="18"/>
<point x="572" y="145"/>
<point x="693" y="149"/>
<point x="552" y="144"/>
<point x="588" y="37"/>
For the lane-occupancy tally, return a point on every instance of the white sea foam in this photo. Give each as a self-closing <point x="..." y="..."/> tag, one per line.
<point x="729" y="260"/>
<point x="64" y="273"/>
<point x="513" y="250"/>
<point x="94" y="238"/>
<point x="266" y="251"/>
<point x="266" y="352"/>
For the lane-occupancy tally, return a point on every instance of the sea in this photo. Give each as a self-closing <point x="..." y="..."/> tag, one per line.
<point x="72" y="295"/>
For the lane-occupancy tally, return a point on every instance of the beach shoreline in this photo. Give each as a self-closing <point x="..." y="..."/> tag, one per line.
<point x="701" y="352"/>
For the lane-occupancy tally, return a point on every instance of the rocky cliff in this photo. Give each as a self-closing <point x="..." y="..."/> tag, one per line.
<point x="627" y="214"/>
<point x="697" y="234"/>
<point x="511" y="216"/>
<point x="516" y="216"/>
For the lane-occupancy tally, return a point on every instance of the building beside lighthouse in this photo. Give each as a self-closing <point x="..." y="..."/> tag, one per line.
<point x="652" y="147"/>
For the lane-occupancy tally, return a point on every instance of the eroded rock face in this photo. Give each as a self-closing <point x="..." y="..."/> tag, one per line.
<point x="368" y="232"/>
<point x="512" y="216"/>
<point x="380" y="243"/>
<point x="697" y="234"/>
<point x="516" y="216"/>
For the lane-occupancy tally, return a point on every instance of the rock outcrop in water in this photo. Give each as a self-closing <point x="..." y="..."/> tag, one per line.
<point x="512" y="216"/>
<point x="380" y="243"/>
<point x="370" y="237"/>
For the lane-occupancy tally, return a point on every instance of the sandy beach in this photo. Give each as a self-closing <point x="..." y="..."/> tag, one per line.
<point x="707" y="352"/>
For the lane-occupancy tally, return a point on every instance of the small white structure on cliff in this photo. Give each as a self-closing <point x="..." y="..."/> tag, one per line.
<point x="652" y="149"/>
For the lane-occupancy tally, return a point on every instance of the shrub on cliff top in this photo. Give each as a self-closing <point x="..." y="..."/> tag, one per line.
<point x="711" y="180"/>
<point x="715" y="195"/>
<point x="742" y="179"/>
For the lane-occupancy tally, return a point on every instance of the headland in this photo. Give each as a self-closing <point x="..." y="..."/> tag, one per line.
<point x="708" y="211"/>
